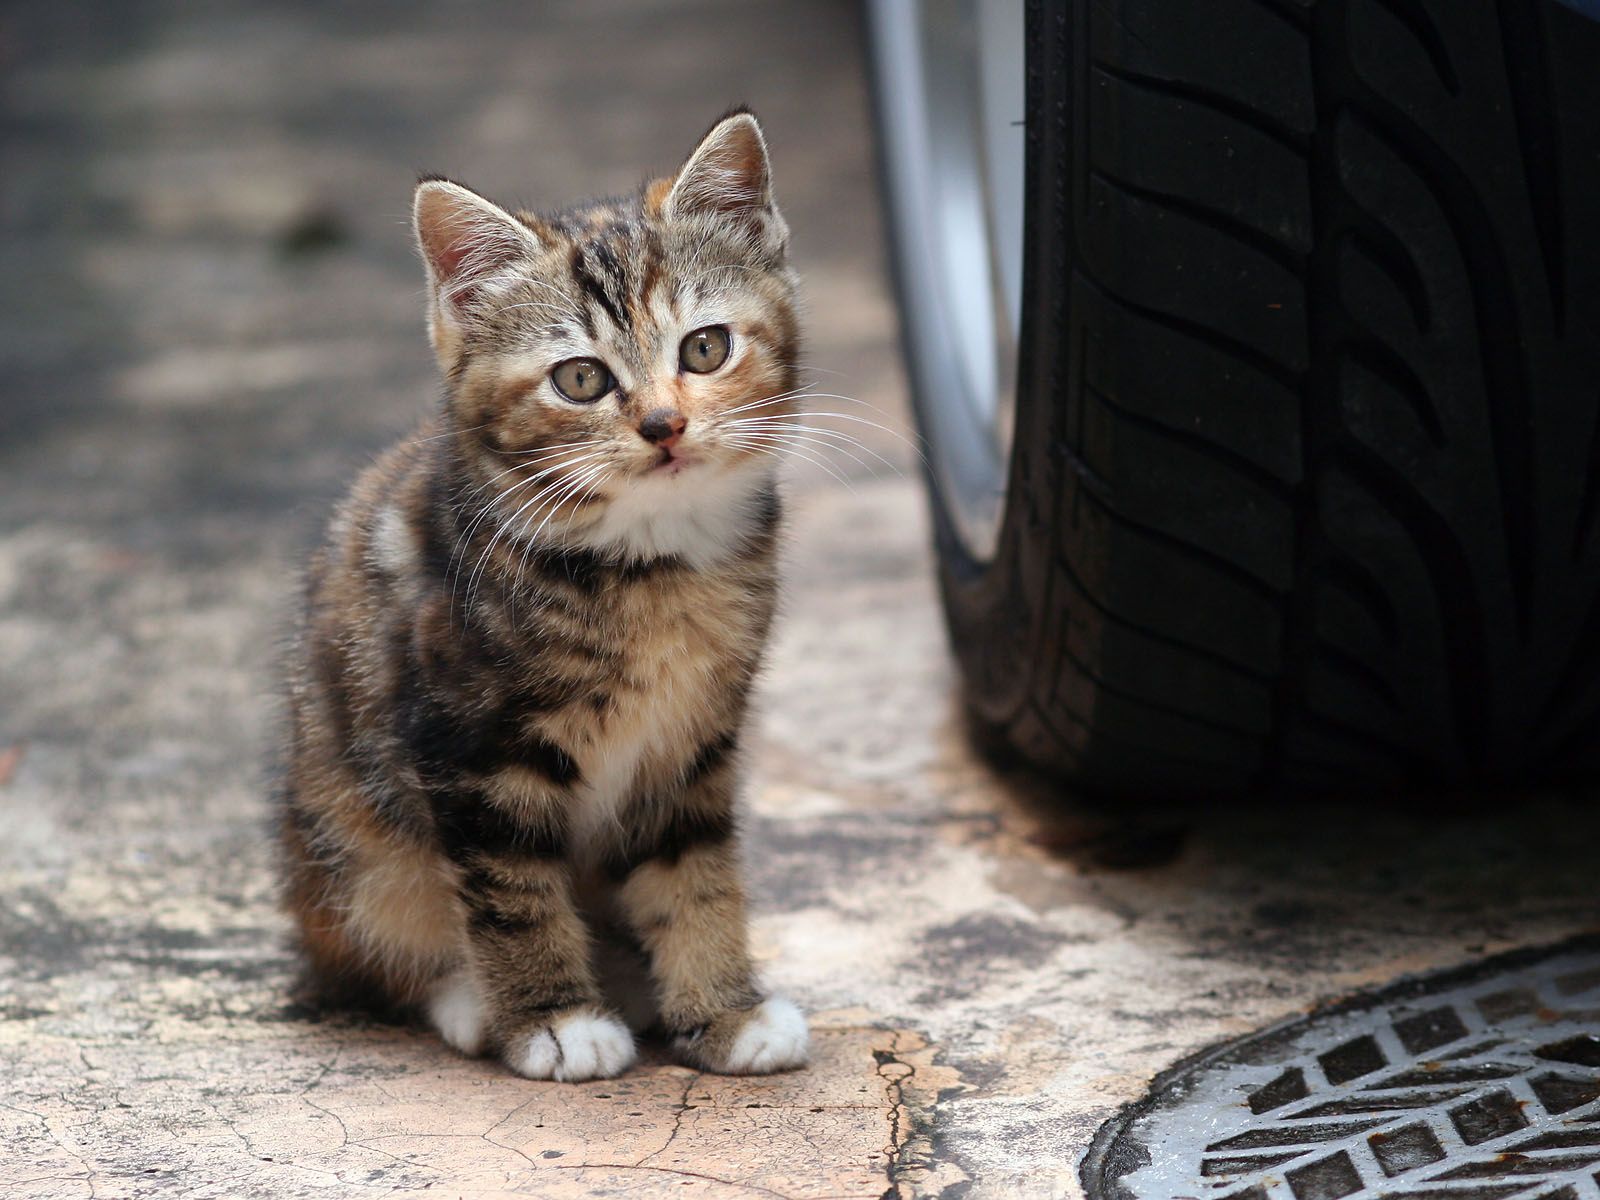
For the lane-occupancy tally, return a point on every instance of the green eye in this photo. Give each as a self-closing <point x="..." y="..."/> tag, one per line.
<point x="582" y="380"/>
<point x="705" y="349"/>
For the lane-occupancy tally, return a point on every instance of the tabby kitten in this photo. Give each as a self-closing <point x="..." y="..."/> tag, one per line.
<point x="530" y="636"/>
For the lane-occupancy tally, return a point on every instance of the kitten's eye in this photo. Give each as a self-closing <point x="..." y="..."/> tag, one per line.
<point x="705" y="349"/>
<point x="582" y="380"/>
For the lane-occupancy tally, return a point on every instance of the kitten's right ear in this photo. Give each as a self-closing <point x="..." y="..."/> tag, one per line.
<point x="466" y="242"/>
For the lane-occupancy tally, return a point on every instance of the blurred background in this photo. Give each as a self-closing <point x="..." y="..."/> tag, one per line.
<point x="215" y="309"/>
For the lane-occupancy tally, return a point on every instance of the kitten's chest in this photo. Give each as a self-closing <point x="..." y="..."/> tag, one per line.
<point x="686" y="650"/>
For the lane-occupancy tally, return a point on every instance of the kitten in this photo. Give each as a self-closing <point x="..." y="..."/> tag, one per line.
<point x="519" y="693"/>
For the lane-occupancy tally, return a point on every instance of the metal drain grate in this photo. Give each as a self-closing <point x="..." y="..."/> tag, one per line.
<point x="1483" y="1084"/>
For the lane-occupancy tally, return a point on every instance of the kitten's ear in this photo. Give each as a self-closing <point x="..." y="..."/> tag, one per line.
<point x="727" y="175"/>
<point x="466" y="242"/>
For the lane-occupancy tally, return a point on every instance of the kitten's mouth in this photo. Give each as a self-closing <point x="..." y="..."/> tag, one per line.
<point x="670" y="462"/>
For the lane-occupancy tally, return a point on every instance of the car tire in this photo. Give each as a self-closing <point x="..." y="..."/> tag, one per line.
<point x="1303" y="489"/>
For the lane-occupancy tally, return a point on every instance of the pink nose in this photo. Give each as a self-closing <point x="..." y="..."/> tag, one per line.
<point x="663" y="426"/>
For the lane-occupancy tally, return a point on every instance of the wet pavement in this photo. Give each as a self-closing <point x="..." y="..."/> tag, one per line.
<point x="212" y="318"/>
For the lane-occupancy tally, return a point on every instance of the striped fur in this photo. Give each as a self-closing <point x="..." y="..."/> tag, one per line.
<point x="520" y="688"/>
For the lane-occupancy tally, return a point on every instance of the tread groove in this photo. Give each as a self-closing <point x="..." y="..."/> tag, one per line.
<point x="1198" y="554"/>
<point x="1497" y="323"/>
<point x="1455" y="593"/>
<point x="1168" y="710"/>
<point x="1292" y="13"/>
<point x="1285" y="135"/>
<point x="1318" y="401"/>
<point x="1354" y="580"/>
<point x="1201" y="653"/>
<point x="1285" y="376"/>
<point x="1360" y="673"/>
<point x="1271" y="248"/>
<point x="1279" y="489"/>
<point x="1522" y="40"/>
<point x="1061" y="709"/>
<point x="1420" y="25"/>
<point x="1383" y="361"/>
<point x="1589" y="505"/>
<point x="1392" y="256"/>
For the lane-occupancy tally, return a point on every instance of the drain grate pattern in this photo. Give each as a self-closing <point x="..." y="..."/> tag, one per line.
<point x="1479" y="1085"/>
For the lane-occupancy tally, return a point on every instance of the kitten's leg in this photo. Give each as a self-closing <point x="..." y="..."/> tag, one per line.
<point x="685" y="901"/>
<point x="537" y="1001"/>
<point x="457" y="1013"/>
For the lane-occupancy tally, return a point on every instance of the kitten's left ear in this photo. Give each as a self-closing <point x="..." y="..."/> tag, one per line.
<point x="727" y="175"/>
<point x="467" y="243"/>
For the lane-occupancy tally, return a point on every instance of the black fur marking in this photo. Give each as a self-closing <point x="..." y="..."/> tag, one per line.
<point x="583" y="569"/>
<point x="770" y="510"/>
<point x="331" y="697"/>
<point x="679" y="833"/>
<point x="708" y="758"/>
<point x="595" y="289"/>
<point x="396" y="808"/>
<point x="441" y="531"/>
<point x="535" y="1001"/>
<point x="448" y="737"/>
<point x="549" y="759"/>
<point x="490" y="920"/>
<point x="469" y="824"/>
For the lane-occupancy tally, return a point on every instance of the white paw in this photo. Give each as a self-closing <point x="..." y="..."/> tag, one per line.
<point x="774" y="1039"/>
<point x="536" y="1057"/>
<point x="581" y="1046"/>
<point x="456" y="1011"/>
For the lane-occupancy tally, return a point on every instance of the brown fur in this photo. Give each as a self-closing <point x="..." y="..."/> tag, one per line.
<point x="530" y="636"/>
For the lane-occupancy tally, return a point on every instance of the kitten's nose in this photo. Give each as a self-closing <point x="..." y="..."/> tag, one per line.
<point x="662" y="426"/>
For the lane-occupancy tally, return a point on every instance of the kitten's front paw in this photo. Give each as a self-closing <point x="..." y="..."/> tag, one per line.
<point x="581" y="1045"/>
<point x="455" y="1009"/>
<point x="772" y="1036"/>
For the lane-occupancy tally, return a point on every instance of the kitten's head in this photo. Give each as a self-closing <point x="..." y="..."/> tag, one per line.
<point x="606" y="363"/>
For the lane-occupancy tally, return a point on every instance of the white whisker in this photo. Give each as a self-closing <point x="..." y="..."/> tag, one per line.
<point x="530" y="542"/>
<point x="488" y="551"/>
<point x="759" y="445"/>
<point x="466" y="536"/>
<point x="451" y="433"/>
<point x="820" y="444"/>
<point x="563" y="497"/>
<point x="839" y="435"/>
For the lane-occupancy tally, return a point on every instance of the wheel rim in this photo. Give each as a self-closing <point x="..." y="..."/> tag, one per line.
<point x="951" y="101"/>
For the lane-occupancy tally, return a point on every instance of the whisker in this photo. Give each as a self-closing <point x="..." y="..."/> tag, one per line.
<point x="562" y="498"/>
<point x="451" y="433"/>
<point x="488" y="551"/>
<point x="543" y="455"/>
<point x="754" y="442"/>
<point x="831" y="437"/>
<point x="798" y="439"/>
<point x="530" y="542"/>
<point x="588" y="493"/>
<point x="912" y="445"/>
<point x="564" y="301"/>
<point x="557" y="446"/>
<point x="780" y="422"/>
<point x="465" y="538"/>
<point x="515" y="467"/>
<point x="781" y="396"/>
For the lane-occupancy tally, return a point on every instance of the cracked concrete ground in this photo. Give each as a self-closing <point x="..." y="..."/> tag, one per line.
<point x="213" y="315"/>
